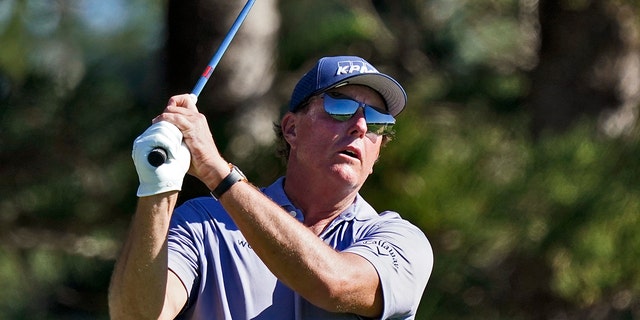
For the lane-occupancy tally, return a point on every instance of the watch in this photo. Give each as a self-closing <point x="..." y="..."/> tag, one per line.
<point x="234" y="176"/>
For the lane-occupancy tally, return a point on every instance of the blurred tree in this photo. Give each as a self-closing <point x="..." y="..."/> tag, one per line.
<point x="519" y="228"/>
<point x="73" y="76"/>
<point x="237" y="99"/>
<point x="589" y="65"/>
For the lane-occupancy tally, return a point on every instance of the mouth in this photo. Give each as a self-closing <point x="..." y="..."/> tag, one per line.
<point x="352" y="153"/>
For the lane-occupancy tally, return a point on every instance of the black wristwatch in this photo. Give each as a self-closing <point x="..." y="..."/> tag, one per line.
<point x="234" y="176"/>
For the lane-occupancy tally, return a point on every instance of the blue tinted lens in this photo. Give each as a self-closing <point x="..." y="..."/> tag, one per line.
<point x="343" y="109"/>
<point x="340" y="109"/>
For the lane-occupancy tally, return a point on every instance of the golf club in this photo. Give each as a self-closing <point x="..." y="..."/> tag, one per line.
<point x="158" y="156"/>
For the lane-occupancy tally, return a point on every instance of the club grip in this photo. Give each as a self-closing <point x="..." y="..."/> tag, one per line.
<point x="157" y="157"/>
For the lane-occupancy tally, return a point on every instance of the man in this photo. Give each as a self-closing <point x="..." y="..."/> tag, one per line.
<point x="306" y="247"/>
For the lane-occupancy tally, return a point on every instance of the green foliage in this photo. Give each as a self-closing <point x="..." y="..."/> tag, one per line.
<point x="487" y="197"/>
<point x="332" y="32"/>
<point x="69" y="107"/>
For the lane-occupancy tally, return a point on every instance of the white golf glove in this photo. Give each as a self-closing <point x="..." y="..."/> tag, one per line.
<point x="168" y="176"/>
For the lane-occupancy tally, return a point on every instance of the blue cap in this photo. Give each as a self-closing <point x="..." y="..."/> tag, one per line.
<point x="331" y="72"/>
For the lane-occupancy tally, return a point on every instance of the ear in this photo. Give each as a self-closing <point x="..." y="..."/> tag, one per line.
<point x="288" y="125"/>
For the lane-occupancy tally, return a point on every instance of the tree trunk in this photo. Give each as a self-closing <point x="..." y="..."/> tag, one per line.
<point x="588" y="65"/>
<point x="237" y="99"/>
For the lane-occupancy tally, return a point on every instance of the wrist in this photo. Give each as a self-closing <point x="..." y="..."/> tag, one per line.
<point x="234" y="176"/>
<point x="214" y="174"/>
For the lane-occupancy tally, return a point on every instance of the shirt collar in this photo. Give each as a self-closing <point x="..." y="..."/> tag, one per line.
<point x="276" y="192"/>
<point x="359" y="208"/>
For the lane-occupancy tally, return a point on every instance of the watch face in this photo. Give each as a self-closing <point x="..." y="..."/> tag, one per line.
<point x="240" y="172"/>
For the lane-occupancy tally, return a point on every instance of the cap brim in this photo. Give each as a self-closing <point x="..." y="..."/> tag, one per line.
<point x="391" y="91"/>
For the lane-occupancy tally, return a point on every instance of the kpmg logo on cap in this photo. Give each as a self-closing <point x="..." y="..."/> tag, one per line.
<point x="349" y="67"/>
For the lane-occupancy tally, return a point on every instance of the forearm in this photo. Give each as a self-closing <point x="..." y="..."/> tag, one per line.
<point x="138" y="284"/>
<point x="299" y="258"/>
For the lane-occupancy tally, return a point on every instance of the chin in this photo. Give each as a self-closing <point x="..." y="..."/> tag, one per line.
<point x="348" y="175"/>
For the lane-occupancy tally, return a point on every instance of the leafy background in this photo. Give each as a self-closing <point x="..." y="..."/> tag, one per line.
<point x="517" y="155"/>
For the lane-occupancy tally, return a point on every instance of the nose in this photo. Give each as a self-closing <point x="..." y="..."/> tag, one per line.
<point x="359" y="123"/>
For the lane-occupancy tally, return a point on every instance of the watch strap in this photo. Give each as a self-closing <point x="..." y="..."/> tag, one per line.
<point x="232" y="178"/>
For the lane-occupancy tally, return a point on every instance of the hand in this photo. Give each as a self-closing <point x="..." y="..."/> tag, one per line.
<point x="206" y="162"/>
<point x="168" y="176"/>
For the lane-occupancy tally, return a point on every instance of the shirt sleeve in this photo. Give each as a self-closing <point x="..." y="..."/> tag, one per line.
<point x="403" y="258"/>
<point x="183" y="242"/>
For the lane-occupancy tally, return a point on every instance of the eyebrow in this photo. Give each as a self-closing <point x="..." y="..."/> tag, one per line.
<point x="337" y="94"/>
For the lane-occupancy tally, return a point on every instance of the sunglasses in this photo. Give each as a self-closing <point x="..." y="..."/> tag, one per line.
<point x="343" y="108"/>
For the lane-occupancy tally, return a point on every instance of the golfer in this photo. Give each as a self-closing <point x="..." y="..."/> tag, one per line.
<point x="306" y="247"/>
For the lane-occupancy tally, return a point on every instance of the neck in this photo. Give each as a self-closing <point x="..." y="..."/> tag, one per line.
<point x="319" y="199"/>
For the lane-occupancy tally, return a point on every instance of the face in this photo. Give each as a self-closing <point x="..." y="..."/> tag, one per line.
<point x="329" y="149"/>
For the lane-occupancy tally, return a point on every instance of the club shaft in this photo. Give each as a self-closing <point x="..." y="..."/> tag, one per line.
<point x="221" y="50"/>
<point x="158" y="156"/>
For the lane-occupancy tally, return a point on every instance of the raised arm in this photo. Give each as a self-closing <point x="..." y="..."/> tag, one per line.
<point x="141" y="285"/>
<point x="334" y="281"/>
